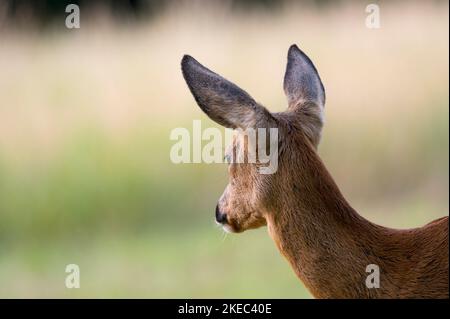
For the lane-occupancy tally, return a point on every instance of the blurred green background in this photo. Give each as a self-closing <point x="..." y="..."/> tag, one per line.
<point x="85" y="118"/>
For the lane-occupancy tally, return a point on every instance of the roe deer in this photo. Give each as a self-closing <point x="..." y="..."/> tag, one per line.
<point x="328" y="244"/>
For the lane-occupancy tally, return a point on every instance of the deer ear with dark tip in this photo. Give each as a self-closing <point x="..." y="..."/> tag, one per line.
<point x="223" y="102"/>
<point x="305" y="93"/>
<point x="301" y="80"/>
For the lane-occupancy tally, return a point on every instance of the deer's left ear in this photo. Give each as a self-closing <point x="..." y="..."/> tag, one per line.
<point x="223" y="101"/>
<point x="305" y="93"/>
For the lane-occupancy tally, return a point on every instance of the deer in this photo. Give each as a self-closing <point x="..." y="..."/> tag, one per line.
<point x="325" y="241"/>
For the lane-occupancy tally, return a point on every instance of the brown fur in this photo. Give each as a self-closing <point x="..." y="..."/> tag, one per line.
<point x="327" y="243"/>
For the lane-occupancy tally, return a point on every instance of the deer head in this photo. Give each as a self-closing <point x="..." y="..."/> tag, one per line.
<point x="249" y="196"/>
<point x="328" y="244"/>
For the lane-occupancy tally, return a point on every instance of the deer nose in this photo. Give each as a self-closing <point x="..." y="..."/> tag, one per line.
<point x="220" y="217"/>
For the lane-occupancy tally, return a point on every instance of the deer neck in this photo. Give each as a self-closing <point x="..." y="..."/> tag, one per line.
<point x="326" y="242"/>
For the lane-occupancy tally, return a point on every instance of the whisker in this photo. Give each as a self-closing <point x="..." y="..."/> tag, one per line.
<point x="224" y="236"/>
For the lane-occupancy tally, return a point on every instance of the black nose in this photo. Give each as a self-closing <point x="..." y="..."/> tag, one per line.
<point x="220" y="217"/>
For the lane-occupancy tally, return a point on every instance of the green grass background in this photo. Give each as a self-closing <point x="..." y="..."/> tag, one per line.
<point x="85" y="118"/>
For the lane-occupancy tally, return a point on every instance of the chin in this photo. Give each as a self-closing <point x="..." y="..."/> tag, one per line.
<point x="231" y="229"/>
<point x="228" y="229"/>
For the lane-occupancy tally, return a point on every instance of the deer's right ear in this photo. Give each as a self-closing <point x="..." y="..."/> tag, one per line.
<point x="223" y="102"/>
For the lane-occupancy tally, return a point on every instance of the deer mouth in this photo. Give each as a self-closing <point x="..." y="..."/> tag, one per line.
<point x="228" y="229"/>
<point x="231" y="227"/>
<point x="223" y="219"/>
<point x="228" y="226"/>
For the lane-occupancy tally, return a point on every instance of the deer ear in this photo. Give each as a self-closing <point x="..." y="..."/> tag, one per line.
<point x="301" y="80"/>
<point x="223" y="102"/>
<point x="305" y="92"/>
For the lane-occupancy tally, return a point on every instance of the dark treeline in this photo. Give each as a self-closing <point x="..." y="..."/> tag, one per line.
<point x="45" y="12"/>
